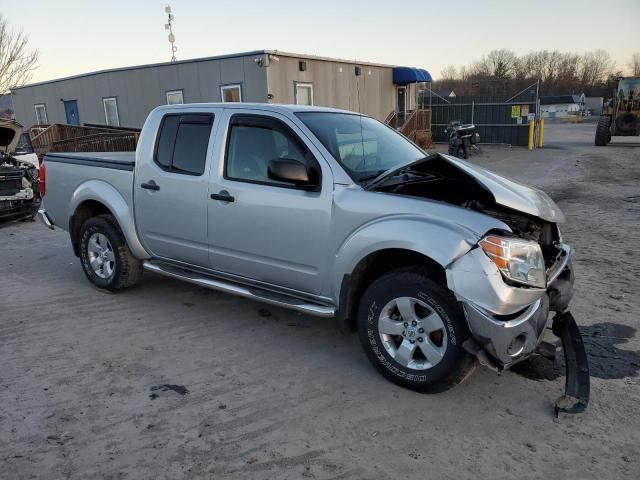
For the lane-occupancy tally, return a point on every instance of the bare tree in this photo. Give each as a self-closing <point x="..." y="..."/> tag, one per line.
<point x="634" y="66"/>
<point x="449" y="73"/>
<point x="502" y="63"/>
<point x="502" y="71"/>
<point x="17" y="60"/>
<point x="595" y="67"/>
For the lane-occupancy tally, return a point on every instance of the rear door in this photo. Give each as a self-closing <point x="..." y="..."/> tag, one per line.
<point x="171" y="186"/>
<point x="267" y="230"/>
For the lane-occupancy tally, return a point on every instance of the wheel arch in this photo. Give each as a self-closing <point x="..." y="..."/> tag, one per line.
<point x="371" y="267"/>
<point x="97" y="197"/>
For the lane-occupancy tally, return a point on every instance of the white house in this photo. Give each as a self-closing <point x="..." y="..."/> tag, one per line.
<point x="562" y="105"/>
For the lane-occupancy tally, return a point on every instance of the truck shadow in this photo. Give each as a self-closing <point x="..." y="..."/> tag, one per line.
<point x="606" y="360"/>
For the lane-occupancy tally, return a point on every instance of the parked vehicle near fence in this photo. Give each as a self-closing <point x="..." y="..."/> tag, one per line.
<point x="19" y="182"/>
<point x="463" y="139"/>
<point x="328" y="212"/>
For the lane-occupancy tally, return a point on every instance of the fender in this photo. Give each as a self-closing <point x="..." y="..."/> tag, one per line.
<point x="109" y="196"/>
<point x="441" y="240"/>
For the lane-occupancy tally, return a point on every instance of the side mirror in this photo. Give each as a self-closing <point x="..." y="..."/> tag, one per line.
<point x="292" y="171"/>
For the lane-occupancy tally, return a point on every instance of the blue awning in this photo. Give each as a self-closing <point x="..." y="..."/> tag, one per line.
<point x="404" y="75"/>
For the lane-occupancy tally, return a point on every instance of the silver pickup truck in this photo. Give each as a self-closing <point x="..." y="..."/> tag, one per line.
<point x="434" y="261"/>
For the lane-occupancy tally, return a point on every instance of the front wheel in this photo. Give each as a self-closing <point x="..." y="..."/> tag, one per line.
<point x="106" y="259"/>
<point x="412" y="331"/>
<point x="462" y="152"/>
<point x="603" y="134"/>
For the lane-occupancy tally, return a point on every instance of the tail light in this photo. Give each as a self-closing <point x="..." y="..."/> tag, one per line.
<point x="42" y="180"/>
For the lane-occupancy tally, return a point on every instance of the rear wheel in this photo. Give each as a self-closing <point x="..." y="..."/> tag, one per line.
<point x="603" y="135"/>
<point x="106" y="259"/>
<point x="412" y="331"/>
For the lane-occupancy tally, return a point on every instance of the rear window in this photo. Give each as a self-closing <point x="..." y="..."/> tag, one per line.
<point x="183" y="141"/>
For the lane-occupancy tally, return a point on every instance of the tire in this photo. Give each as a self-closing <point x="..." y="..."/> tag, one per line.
<point x="115" y="268"/>
<point x="462" y="152"/>
<point x="381" y="329"/>
<point x="603" y="135"/>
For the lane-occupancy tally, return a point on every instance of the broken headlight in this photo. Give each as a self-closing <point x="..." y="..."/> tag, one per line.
<point x="518" y="260"/>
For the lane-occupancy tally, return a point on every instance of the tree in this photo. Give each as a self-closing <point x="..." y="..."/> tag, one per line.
<point x="594" y="68"/>
<point x="449" y="73"/>
<point x="502" y="63"/>
<point x="635" y="64"/>
<point x="17" y="60"/>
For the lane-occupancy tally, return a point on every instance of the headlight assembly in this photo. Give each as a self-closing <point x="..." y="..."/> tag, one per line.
<point x="518" y="260"/>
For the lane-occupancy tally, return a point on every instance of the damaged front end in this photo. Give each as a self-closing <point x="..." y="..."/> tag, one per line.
<point x="19" y="185"/>
<point x="511" y="280"/>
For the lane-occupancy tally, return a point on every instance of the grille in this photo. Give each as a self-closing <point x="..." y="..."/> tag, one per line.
<point x="10" y="182"/>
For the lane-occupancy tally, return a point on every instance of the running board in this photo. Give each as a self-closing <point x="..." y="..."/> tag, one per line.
<point x="242" y="291"/>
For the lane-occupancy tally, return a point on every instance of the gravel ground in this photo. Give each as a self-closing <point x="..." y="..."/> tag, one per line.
<point x="257" y="392"/>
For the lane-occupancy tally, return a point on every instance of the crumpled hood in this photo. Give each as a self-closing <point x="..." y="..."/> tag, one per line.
<point x="10" y="132"/>
<point x="505" y="192"/>
<point x="512" y="194"/>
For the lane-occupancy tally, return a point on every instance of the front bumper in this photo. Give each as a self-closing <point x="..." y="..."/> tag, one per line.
<point x="508" y="322"/>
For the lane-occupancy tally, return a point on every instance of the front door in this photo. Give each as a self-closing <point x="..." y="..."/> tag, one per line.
<point x="262" y="229"/>
<point x="71" y="111"/>
<point x="171" y="186"/>
<point x="402" y="99"/>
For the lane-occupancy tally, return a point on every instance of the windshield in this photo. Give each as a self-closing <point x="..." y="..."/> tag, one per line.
<point x="363" y="146"/>
<point x="629" y="92"/>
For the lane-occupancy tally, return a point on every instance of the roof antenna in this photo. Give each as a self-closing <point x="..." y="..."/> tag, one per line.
<point x="169" y="26"/>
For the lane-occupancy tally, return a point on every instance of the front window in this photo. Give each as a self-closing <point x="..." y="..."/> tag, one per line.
<point x="41" y="114"/>
<point x="111" y="111"/>
<point x="231" y="93"/>
<point x="175" y="97"/>
<point x="363" y="146"/>
<point x="629" y="92"/>
<point x="254" y="141"/>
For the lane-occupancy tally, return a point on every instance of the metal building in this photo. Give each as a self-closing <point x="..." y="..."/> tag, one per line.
<point x="125" y="96"/>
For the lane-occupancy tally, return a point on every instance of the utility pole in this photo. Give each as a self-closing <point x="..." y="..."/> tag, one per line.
<point x="169" y="27"/>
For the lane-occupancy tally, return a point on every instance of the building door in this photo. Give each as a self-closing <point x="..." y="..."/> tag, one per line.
<point x="402" y="99"/>
<point x="71" y="111"/>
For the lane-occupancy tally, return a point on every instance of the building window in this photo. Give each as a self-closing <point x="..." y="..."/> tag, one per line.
<point x="184" y="139"/>
<point x="110" y="105"/>
<point x="41" y="114"/>
<point x="304" y="94"/>
<point x="175" y="97"/>
<point x="231" y="93"/>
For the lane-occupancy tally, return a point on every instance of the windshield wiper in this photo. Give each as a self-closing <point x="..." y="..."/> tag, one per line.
<point x="407" y="168"/>
<point x="370" y="176"/>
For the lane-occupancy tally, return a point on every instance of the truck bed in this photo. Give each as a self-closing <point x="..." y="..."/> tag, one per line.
<point x="66" y="172"/>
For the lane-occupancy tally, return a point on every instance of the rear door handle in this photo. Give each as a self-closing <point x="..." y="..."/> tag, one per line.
<point x="150" y="185"/>
<point x="223" y="196"/>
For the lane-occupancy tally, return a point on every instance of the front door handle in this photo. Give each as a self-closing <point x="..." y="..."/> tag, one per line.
<point x="150" y="185"/>
<point x="223" y="196"/>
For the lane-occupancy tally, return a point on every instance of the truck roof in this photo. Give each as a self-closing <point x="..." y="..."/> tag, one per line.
<point x="269" y="107"/>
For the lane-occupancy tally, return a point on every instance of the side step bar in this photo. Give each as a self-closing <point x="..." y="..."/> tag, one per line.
<point x="241" y="290"/>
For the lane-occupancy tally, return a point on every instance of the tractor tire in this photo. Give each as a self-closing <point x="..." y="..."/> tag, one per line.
<point x="603" y="135"/>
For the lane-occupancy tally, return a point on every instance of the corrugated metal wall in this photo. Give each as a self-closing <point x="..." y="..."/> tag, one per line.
<point x="138" y="90"/>
<point x="497" y="121"/>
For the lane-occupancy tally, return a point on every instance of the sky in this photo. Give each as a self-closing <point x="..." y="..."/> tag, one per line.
<point x="83" y="36"/>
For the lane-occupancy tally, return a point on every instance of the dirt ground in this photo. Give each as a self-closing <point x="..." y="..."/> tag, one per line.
<point x="258" y="392"/>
